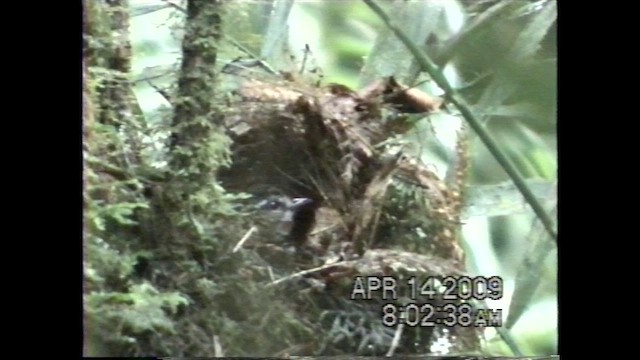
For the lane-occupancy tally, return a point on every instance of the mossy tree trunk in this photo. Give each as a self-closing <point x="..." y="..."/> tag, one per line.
<point x="142" y="225"/>
<point x="198" y="144"/>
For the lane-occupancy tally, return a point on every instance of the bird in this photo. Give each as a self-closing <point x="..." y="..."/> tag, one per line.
<point x="281" y="230"/>
<point x="302" y="227"/>
<point x="279" y="218"/>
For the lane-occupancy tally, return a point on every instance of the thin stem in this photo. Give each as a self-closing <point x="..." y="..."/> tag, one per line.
<point x="431" y="68"/>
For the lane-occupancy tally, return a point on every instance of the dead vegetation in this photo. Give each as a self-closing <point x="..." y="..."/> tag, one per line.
<point x="324" y="143"/>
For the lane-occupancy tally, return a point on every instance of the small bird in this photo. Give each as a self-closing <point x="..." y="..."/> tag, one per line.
<point x="302" y="230"/>
<point x="276" y="217"/>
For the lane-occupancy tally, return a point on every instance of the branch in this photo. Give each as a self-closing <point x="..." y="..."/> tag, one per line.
<point x="175" y="6"/>
<point x="306" y="272"/>
<point x="431" y="68"/>
<point x="162" y="92"/>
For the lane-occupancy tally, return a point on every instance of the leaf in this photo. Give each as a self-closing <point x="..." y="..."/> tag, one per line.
<point x="528" y="276"/>
<point x="277" y="33"/>
<point x="98" y="222"/>
<point x="475" y="25"/>
<point x="122" y="212"/>
<point x="505" y="199"/>
<point x="524" y="47"/>
<point x="528" y="41"/>
<point x="520" y="110"/>
<point x="496" y="93"/>
<point x="389" y="56"/>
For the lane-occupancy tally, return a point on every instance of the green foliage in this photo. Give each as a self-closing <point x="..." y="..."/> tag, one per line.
<point x="121" y="213"/>
<point x="145" y="234"/>
<point x="105" y="266"/>
<point x="119" y="318"/>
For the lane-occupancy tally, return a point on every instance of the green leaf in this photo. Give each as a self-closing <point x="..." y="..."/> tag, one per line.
<point x="389" y="56"/>
<point x="121" y="212"/>
<point x="505" y="199"/>
<point x="528" y="41"/>
<point x="528" y="275"/>
<point x="277" y="33"/>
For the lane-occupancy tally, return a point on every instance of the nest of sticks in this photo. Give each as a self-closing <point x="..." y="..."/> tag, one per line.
<point x="325" y="143"/>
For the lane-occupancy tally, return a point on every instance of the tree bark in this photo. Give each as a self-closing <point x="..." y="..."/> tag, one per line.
<point x="196" y="84"/>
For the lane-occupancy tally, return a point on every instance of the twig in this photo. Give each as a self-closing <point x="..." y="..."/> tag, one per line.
<point x="175" y="6"/>
<point x="431" y="68"/>
<point x="217" y="348"/>
<point x="504" y="332"/>
<point x="304" y="58"/>
<point x="321" y="230"/>
<point x="396" y="338"/>
<point x="251" y="55"/>
<point x="270" y="270"/>
<point x="162" y="92"/>
<point x="152" y="77"/>
<point x="244" y="239"/>
<point x="144" y="10"/>
<point x="306" y="272"/>
<point x="291" y="178"/>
